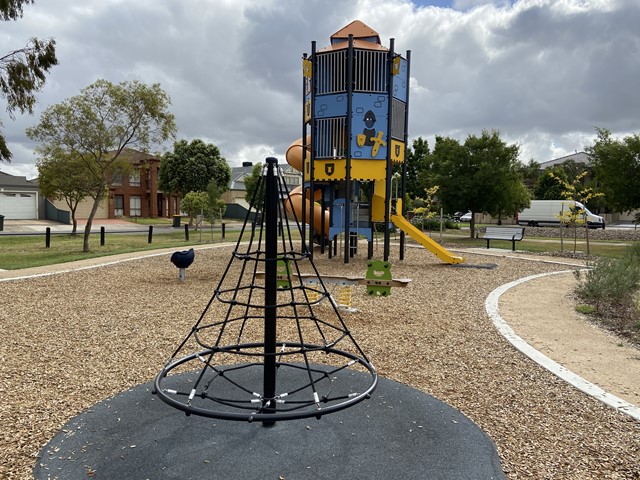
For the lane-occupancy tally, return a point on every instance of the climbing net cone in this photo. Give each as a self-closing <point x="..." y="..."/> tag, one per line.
<point x="264" y="349"/>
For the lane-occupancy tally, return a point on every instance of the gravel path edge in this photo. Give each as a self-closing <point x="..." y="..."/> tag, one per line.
<point x="493" y="310"/>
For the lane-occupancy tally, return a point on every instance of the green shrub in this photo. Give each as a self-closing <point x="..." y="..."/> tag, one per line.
<point x="612" y="286"/>
<point x="433" y="224"/>
<point x="611" y="280"/>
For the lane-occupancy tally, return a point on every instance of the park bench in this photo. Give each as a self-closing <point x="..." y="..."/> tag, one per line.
<point x="512" y="234"/>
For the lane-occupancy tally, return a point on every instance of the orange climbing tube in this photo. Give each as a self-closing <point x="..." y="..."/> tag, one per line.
<point x="294" y="157"/>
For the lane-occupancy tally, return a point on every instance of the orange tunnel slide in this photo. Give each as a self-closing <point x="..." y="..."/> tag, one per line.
<point x="295" y="159"/>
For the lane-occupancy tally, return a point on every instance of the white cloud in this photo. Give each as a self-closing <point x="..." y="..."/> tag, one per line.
<point x="543" y="72"/>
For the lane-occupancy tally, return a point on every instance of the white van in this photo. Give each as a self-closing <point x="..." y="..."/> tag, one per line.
<point x="546" y="213"/>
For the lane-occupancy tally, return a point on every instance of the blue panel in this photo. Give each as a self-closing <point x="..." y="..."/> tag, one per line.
<point x="331" y="106"/>
<point x="369" y="126"/>
<point x="401" y="81"/>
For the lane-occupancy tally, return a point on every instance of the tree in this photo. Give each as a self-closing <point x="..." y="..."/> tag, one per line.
<point x="66" y="177"/>
<point x="99" y="124"/>
<point x="195" y="203"/>
<point x="22" y="71"/>
<point x="482" y="175"/>
<point x="617" y="169"/>
<point x="216" y="203"/>
<point x="530" y="174"/>
<point x="547" y="186"/>
<point x="251" y="184"/>
<point x="575" y="216"/>
<point x="415" y="163"/>
<point x="191" y="167"/>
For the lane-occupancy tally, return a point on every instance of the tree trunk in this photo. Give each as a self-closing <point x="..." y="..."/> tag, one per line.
<point x="472" y="225"/>
<point x="94" y="209"/>
<point x="586" y="234"/>
<point x="74" y="220"/>
<point x="72" y="209"/>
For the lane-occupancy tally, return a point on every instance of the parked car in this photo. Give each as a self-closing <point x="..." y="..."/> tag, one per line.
<point x="456" y="216"/>
<point x="466" y="217"/>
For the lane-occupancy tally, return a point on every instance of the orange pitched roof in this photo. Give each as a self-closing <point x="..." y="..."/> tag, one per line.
<point x="358" y="29"/>
<point x="364" y="37"/>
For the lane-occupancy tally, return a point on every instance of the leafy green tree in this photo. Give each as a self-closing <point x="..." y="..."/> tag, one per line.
<point x="482" y="175"/>
<point x="547" y="186"/>
<point x="617" y="169"/>
<point x="576" y="191"/>
<point x="515" y="197"/>
<point x="99" y="124"/>
<point x="66" y="177"/>
<point x="251" y="184"/>
<point x="217" y="205"/>
<point x="195" y="203"/>
<point x="415" y="160"/>
<point x="191" y="167"/>
<point x="530" y="174"/>
<point x="22" y="71"/>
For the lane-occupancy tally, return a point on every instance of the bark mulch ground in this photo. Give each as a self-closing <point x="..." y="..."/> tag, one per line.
<point x="74" y="339"/>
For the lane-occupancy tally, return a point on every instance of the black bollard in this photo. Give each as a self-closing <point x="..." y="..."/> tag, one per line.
<point x="186" y="232"/>
<point x="102" y="236"/>
<point x="47" y="238"/>
<point x="150" y="234"/>
<point x="223" y="230"/>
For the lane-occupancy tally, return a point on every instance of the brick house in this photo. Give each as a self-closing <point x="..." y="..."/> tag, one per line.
<point x="136" y="193"/>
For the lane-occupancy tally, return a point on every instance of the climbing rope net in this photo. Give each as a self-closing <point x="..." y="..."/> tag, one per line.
<point x="261" y="350"/>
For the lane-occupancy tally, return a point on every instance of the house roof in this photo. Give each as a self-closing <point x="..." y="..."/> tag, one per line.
<point x="7" y="180"/>
<point x="135" y="156"/>
<point x="578" y="157"/>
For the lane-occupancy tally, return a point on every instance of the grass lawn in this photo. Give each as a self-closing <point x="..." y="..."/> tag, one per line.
<point x="23" y="251"/>
<point x="600" y="248"/>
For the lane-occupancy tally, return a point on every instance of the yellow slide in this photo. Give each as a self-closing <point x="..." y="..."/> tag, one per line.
<point x="431" y="245"/>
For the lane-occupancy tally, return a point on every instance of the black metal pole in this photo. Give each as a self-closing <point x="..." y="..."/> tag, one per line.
<point x="47" y="238"/>
<point x="403" y="189"/>
<point x="223" y="230"/>
<point x="270" y="291"/>
<point x="150" y="236"/>
<point x="347" y="187"/>
<point x="102" y="232"/>
<point x="186" y="232"/>
<point x="322" y="223"/>
<point x="387" y="196"/>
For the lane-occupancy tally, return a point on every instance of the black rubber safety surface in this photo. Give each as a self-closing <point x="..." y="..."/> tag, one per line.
<point x="399" y="432"/>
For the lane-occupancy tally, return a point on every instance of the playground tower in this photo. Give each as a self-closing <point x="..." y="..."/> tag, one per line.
<point x="356" y="94"/>
<point x="355" y="115"/>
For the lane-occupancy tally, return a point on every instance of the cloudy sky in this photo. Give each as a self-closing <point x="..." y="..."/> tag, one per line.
<point x="544" y="73"/>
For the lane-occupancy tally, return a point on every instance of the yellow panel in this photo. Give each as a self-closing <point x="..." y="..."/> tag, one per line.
<point x="368" y="169"/>
<point x="334" y="169"/>
<point x="307" y="167"/>
<point x="396" y="66"/>
<point x="378" y="201"/>
<point x="307" y="111"/>
<point x="397" y="151"/>
<point x="306" y="68"/>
